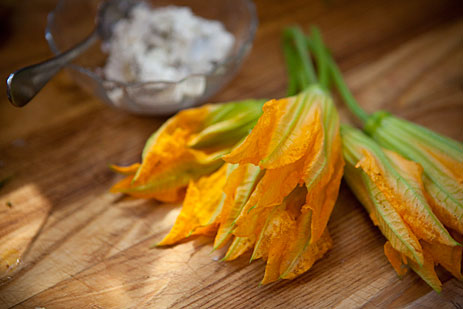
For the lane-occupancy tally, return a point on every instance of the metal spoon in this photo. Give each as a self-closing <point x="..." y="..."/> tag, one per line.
<point x="25" y="83"/>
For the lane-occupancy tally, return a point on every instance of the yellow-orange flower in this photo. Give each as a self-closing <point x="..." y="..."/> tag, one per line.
<point x="188" y="146"/>
<point x="390" y="187"/>
<point x="276" y="194"/>
<point x="296" y="143"/>
<point x="440" y="157"/>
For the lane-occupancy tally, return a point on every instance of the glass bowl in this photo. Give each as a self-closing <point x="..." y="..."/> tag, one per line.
<point x="73" y="20"/>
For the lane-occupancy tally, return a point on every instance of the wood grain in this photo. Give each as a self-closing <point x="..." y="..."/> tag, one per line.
<point x="80" y="246"/>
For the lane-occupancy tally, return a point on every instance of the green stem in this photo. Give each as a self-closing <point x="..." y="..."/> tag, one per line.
<point x="306" y="73"/>
<point x="304" y="54"/>
<point x="322" y="64"/>
<point x="344" y="91"/>
<point x="292" y="66"/>
<point x="351" y="103"/>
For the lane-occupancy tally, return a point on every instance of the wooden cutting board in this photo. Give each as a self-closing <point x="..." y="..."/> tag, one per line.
<point x="80" y="247"/>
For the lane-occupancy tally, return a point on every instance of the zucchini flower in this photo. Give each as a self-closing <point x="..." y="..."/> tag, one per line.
<point x="440" y="157"/>
<point x="296" y="144"/>
<point x="278" y="189"/>
<point x="391" y="189"/>
<point x="280" y="183"/>
<point x="189" y="145"/>
<point x="435" y="175"/>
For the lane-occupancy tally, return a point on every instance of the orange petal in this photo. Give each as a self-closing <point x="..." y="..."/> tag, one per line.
<point x="393" y="227"/>
<point x="282" y="228"/>
<point x="122" y="184"/>
<point x="446" y="209"/>
<point x="323" y="170"/>
<point x="273" y="237"/>
<point x="427" y="271"/>
<point x="444" y="184"/>
<point x="240" y="184"/>
<point x="292" y="143"/>
<point x="276" y="249"/>
<point x="292" y="267"/>
<point x="453" y="165"/>
<point x="208" y="230"/>
<point x="275" y="185"/>
<point x="188" y="121"/>
<point x="254" y="148"/>
<point x="272" y="268"/>
<point x="284" y="131"/>
<point x="404" y="190"/>
<point x="448" y="257"/>
<point x="295" y="201"/>
<point x="323" y="191"/>
<point x="168" y="163"/>
<point x="167" y="196"/>
<point x="382" y="213"/>
<point x="276" y="224"/>
<point x="228" y="124"/>
<point x="396" y="259"/>
<point x="125" y="170"/>
<point x="440" y="157"/>
<point x="171" y="156"/>
<point x="201" y="207"/>
<point x="251" y="224"/>
<point x="238" y="247"/>
<point x="171" y="176"/>
<point x="278" y="183"/>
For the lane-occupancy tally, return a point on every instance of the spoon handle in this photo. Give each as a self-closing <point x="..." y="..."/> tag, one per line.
<point x="25" y="83"/>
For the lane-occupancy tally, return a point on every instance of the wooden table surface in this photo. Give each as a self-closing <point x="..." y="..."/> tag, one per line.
<point x="81" y="247"/>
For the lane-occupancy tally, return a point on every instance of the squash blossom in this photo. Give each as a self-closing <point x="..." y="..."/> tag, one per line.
<point x="296" y="144"/>
<point x="440" y="157"/>
<point x="187" y="146"/>
<point x="391" y="189"/>
<point x="276" y="193"/>
<point x="417" y="204"/>
<point x="412" y="188"/>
